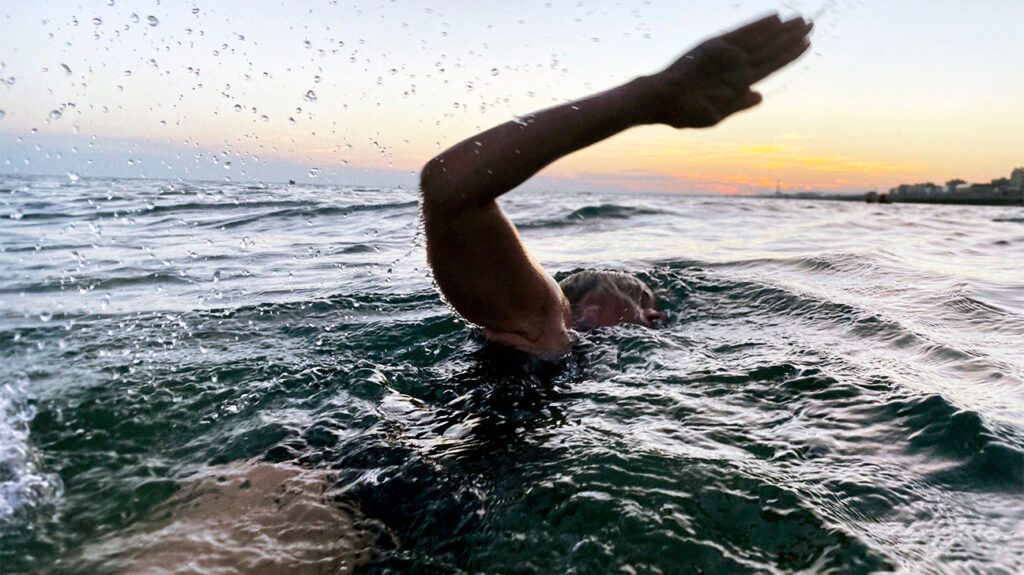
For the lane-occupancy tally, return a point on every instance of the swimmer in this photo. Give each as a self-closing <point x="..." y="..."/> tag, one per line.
<point x="481" y="266"/>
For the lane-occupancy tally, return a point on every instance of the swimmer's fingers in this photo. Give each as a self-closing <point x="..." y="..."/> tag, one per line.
<point x="784" y="53"/>
<point x="754" y="36"/>
<point x="750" y="35"/>
<point x="792" y="32"/>
<point x="781" y="51"/>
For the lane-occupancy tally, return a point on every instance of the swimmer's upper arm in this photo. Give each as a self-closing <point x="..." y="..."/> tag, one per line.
<point x="484" y="271"/>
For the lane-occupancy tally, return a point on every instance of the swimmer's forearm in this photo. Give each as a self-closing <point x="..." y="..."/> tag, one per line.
<point x="699" y="90"/>
<point x="481" y="168"/>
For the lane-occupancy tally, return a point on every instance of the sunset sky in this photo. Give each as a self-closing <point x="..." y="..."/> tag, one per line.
<point x="366" y="92"/>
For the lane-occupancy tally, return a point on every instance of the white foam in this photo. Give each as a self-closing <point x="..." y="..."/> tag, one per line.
<point x="22" y="482"/>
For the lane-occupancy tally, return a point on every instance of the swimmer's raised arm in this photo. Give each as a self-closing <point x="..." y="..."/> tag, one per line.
<point x="479" y="263"/>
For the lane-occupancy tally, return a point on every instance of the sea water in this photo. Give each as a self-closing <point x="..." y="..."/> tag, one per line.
<point x="839" y="387"/>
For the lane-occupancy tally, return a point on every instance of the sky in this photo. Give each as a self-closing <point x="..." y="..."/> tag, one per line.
<point x="891" y="92"/>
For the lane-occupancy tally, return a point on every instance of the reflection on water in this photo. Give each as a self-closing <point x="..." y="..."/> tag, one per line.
<point x="838" y="386"/>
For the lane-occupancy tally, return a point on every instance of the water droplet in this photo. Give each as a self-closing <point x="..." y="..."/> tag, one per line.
<point x="264" y="118"/>
<point x="46" y="316"/>
<point x="291" y="120"/>
<point x="55" y="115"/>
<point x="66" y="69"/>
<point x="310" y="96"/>
<point x="134" y="18"/>
<point x="238" y="107"/>
<point x="195" y="10"/>
<point x="494" y="71"/>
<point x="97" y="21"/>
<point x="313" y="172"/>
<point x="73" y="177"/>
<point x="152" y="21"/>
<point x="2" y="114"/>
<point x="110" y="2"/>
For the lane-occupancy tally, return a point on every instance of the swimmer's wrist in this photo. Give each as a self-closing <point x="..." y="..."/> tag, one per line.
<point x="645" y="92"/>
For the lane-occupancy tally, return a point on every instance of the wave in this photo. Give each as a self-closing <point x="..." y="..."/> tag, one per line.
<point x="137" y="210"/>
<point x="108" y="280"/>
<point x="590" y="213"/>
<point x="359" y="249"/>
<point x="683" y="281"/>
<point x="310" y="212"/>
<point x="835" y="263"/>
<point x="280" y="208"/>
<point x="23" y="484"/>
<point x="976" y="311"/>
<point x="937" y="427"/>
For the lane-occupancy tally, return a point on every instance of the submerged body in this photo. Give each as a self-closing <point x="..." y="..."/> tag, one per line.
<point x="478" y="260"/>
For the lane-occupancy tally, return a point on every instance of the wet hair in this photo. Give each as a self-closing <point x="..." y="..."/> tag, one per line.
<point x="578" y="285"/>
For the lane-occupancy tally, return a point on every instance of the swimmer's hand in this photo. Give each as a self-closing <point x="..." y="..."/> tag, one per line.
<point x="712" y="81"/>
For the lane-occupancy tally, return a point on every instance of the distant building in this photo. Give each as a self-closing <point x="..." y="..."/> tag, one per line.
<point x="998" y="192"/>
<point x="905" y="192"/>
<point x="1017" y="180"/>
<point x="977" y="192"/>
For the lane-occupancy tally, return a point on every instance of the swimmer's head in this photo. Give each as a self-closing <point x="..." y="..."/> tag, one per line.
<point x="601" y="299"/>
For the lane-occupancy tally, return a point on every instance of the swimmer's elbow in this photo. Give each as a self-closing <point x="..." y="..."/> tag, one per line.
<point x="433" y="186"/>
<point x="431" y="173"/>
<point x="446" y="189"/>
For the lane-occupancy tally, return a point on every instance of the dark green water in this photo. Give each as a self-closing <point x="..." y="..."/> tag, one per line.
<point x="839" y="387"/>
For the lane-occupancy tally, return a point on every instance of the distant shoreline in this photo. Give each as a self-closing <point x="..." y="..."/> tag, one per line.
<point x="862" y="198"/>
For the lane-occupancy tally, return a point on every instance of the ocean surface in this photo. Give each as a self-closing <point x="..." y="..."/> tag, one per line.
<point x="839" y="387"/>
